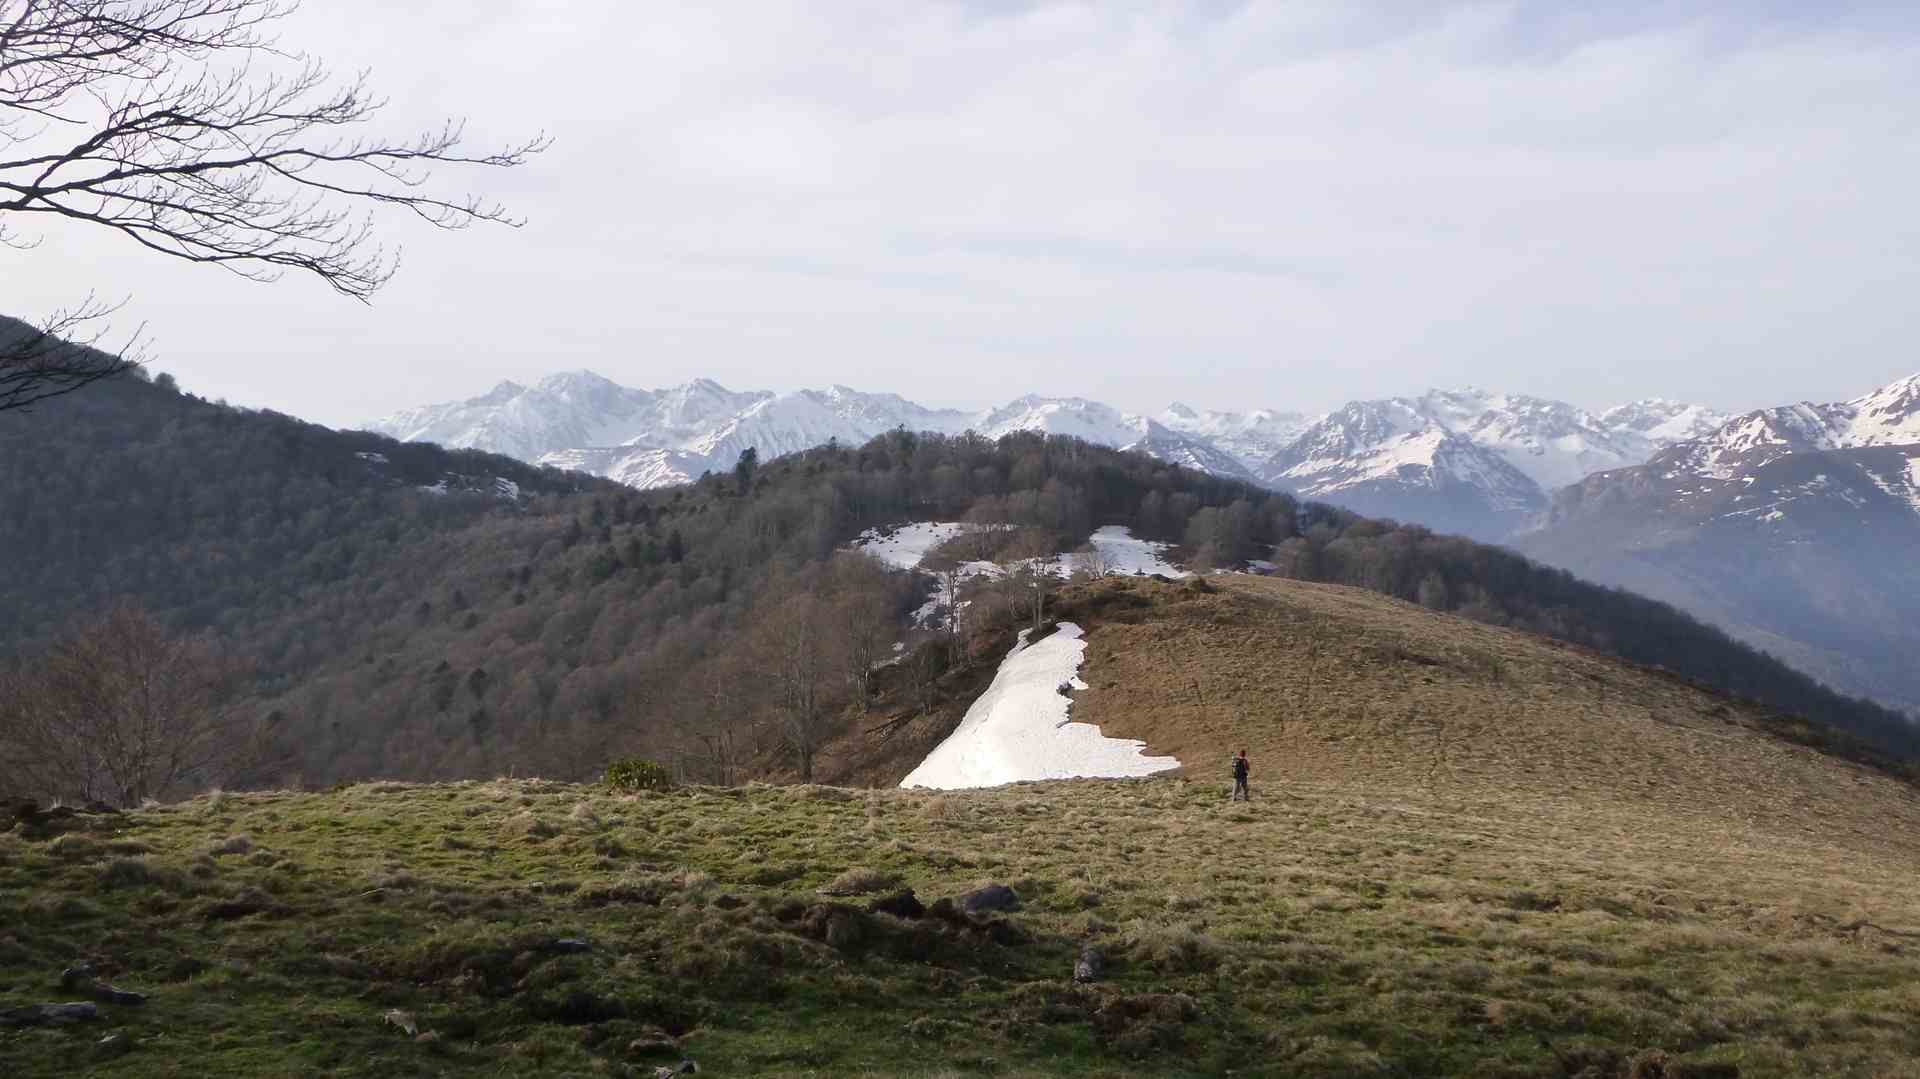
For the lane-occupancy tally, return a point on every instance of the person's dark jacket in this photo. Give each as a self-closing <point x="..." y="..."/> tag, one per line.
<point x="1240" y="769"/>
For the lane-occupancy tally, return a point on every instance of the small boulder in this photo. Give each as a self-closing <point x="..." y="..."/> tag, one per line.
<point x="569" y="945"/>
<point x="113" y="994"/>
<point x="27" y="1015"/>
<point x="79" y="974"/>
<point x="403" y="1020"/>
<point x="1090" y="966"/>
<point x="653" y="1040"/>
<point x="901" y="904"/>
<point x="989" y="897"/>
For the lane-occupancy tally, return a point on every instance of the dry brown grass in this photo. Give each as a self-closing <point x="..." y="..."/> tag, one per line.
<point x="1329" y="685"/>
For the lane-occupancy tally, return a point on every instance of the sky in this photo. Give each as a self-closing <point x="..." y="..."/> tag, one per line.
<point x="1233" y="205"/>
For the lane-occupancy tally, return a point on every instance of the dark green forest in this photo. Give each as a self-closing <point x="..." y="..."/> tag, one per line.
<point x="401" y="612"/>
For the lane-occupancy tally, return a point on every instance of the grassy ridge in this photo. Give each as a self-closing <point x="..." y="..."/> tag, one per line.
<point x="1322" y="930"/>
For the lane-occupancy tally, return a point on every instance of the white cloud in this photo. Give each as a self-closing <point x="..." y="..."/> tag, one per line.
<point x="1268" y="203"/>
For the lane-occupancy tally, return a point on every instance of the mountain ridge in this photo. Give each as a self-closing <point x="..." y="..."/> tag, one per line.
<point x="636" y="437"/>
<point x="1787" y="526"/>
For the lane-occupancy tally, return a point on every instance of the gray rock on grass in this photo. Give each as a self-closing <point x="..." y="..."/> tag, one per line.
<point x="989" y="897"/>
<point x="1090" y="966"/>
<point x="34" y="1014"/>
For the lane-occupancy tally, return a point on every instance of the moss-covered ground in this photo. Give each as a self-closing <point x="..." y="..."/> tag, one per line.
<point x="532" y="928"/>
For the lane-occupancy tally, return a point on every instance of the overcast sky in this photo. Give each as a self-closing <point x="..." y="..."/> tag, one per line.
<point x="1228" y="204"/>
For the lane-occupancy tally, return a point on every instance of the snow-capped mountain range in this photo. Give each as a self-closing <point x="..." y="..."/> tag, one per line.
<point x="1495" y="453"/>
<point x="1741" y="468"/>
<point x="1791" y="527"/>
<point x="1467" y="460"/>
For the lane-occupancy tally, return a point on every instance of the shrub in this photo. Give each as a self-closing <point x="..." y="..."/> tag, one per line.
<point x="638" y="774"/>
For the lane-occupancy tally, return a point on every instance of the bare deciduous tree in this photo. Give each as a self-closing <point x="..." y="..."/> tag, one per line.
<point x="185" y="127"/>
<point x="1091" y="561"/>
<point x="712" y="720"/>
<point x="121" y="711"/>
<point x="1029" y="564"/>
<point x="794" y="654"/>
<point x="861" y="612"/>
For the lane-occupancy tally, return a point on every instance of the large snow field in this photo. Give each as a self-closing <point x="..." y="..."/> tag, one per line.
<point x="1019" y="729"/>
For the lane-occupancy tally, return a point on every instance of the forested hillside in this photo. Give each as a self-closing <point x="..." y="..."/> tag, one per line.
<point x="220" y="517"/>
<point x="393" y="625"/>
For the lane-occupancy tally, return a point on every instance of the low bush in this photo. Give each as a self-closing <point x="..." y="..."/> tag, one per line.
<point x="638" y="774"/>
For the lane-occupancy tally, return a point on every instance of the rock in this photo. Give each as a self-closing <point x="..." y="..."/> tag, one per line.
<point x="1004" y="933"/>
<point x="569" y="945"/>
<point x="113" y="1045"/>
<point x="113" y="994"/>
<point x="1091" y="965"/>
<point x="403" y="1020"/>
<point x="81" y="976"/>
<point x="33" y="1014"/>
<point x="77" y="975"/>
<point x="653" y="1040"/>
<point x="685" y="1067"/>
<point x="901" y="904"/>
<point x="989" y="897"/>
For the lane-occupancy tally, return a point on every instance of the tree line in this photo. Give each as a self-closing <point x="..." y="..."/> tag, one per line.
<point x="389" y="630"/>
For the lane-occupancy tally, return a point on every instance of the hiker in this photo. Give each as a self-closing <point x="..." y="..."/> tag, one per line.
<point x="1240" y="778"/>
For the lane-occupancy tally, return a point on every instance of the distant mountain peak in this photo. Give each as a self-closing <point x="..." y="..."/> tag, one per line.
<point x="1450" y="439"/>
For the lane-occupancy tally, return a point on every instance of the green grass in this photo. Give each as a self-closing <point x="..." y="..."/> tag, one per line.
<point x="1314" y="932"/>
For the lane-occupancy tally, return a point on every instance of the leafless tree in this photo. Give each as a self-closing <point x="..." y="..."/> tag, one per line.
<point x="1029" y="563"/>
<point x="1091" y="561"/>
<point x="712" y="720"/>
<point x="860" y="612"/>
<point x="122" y="710"/>
<point x="185" y="127"/>
<point x="794" y="653"/>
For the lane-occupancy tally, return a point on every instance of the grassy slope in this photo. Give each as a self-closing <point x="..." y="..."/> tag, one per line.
<point x="1321" y="930"/>
<point x="1601" y="865"/>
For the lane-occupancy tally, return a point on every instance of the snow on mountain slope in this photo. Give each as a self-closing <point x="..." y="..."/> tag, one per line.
<point x="644" y="467"/>
<point x="654" y="438"/>
<point x="1467" y="460"/>
<point x="1656" y="422"/>
<point x="1395" y="442"/>
<point x="1553" y="442"/>
<point x="576" y="409"/>
<point x="1252" y="437"/>
<point x="1188" y="451"/>
<point x="1888" y="416"/>
<point x="650" y="438"/>
<point x="1074" y="416"/>
<point x="1020" y="730"/>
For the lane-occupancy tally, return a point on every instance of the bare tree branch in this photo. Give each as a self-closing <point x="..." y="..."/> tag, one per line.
<point x="181" y="125"/>
<point x="60" y="356"/>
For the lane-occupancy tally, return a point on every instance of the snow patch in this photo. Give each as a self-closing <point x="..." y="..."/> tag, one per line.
<point x="908" y="545"/>
<point x="1126" y="555"/>
<point x="1019" y="729"/>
